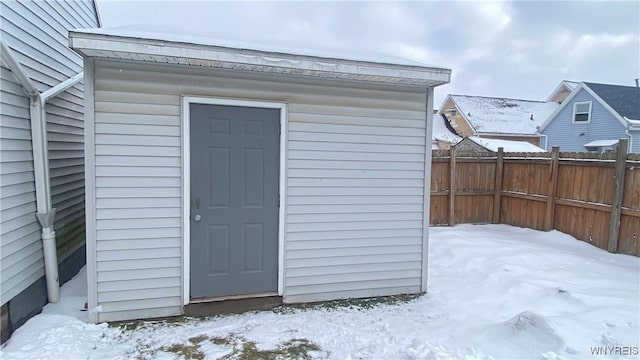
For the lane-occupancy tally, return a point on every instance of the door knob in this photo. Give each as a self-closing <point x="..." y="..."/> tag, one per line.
<point x="197" y="217"/>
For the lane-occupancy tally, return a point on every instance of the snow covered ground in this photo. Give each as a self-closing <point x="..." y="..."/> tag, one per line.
<point x="495" y="291"/>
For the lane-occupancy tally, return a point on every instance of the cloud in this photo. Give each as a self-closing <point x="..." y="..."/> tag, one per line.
<point x="495" y="48"/>
<point x="586" y="44"/>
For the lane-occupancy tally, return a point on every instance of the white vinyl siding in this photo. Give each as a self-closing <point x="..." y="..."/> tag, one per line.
<point x="355" y="193"/>
<point x="36" y="32"/>
<point x="21" y="251"/>
<point x="355" y="184"/>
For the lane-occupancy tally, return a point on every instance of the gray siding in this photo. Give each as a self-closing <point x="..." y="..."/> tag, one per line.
<point x="564" y="133"/>
<point x="355" y="185"/>
<point x="37" y="33"/>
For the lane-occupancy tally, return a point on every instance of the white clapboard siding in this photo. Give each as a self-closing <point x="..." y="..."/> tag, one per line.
<point x="355" y="184"/>
<point x="36" y="32"/>
<point x="21" y="249"/>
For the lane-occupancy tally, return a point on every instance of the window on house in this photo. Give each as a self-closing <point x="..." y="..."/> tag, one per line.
<point x="453" y="112"/>
<point x="582" y="112"/>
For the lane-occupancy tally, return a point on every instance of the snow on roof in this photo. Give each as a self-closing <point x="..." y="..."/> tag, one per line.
<point x="441" y="132"/>
<point x="507" y="145"/>
<point x="599" y="143"/>
<point x="282" y="46"/>
<point x="503" y="115"/>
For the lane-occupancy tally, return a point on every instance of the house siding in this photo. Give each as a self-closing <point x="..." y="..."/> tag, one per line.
<point x="355" y="174"/>
<point x="565" y="134"/>
<point x="635" y="141"/>
<point x="21" y="249"/>
<point x="36" y="32"/>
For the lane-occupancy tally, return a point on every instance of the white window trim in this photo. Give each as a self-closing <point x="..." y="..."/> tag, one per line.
<point x="573" y="117"/>
<point x="186" y="191"/>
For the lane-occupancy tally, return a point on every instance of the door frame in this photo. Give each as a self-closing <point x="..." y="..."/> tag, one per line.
<point x="186" y="183"/>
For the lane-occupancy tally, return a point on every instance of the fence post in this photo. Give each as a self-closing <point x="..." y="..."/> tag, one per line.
<point x="497" y="187"/>
<point x="452" y="185"/>
<point x="553" y="188"/>
<point x="618" y="188"/>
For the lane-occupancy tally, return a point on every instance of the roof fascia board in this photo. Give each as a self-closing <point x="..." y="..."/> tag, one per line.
<point x="276" y="62"/>
<point x="634" y="124"/>
<point x="444" y="102"/>
<point x="566" y="101"/>
<point x="464" y="116"/>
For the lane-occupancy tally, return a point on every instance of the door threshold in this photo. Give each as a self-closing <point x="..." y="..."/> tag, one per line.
<point x="232" y="305"/>
<point x="231" y="297"/>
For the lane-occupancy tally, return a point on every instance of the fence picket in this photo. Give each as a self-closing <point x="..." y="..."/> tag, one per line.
<point x="576" y="193"/>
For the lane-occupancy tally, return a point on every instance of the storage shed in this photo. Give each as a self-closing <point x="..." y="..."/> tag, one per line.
<point x="218" y="171"/>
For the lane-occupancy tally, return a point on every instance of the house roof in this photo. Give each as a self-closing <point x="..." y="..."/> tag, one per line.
<point x="180" y="48"/>
<point x="503" y="115"/>
<point x="625" y="100"/>
<point x="443" y="131"/>
<point x="507" y="145"/>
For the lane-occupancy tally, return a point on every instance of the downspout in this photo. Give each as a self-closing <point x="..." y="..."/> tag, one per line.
<point x="45" y="213"/>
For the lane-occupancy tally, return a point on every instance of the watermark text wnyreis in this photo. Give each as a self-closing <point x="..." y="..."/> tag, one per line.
<point x="615" y="350"/>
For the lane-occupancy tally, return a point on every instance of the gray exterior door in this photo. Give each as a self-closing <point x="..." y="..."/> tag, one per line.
<point x="234" y="200"/>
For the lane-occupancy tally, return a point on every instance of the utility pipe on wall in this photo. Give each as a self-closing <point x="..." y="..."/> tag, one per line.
<point x="45" y="213"/>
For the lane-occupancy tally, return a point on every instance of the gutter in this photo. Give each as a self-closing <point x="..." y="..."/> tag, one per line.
<point x="632" y="125"/>
<point x="45" y="212"/>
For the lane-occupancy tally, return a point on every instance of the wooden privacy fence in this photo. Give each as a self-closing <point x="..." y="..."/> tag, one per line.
<point x="593" y="197"/>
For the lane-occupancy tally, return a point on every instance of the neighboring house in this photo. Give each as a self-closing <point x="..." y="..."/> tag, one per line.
<point x="217" y="172"/>
<point x="41" y="153"/>
<point x="443" y="135"/>
<point x="593" y="118"/>
<point x="496" y="118"/>
<point x="474" y="143"/>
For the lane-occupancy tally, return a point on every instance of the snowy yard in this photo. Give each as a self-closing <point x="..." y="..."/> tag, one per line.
<point x="495" y="291"/>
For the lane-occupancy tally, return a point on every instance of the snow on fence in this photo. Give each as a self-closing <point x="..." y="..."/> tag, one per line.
<point x="593" y="197"/>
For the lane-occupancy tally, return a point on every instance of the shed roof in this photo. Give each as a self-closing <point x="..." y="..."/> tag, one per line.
<point x="157" y="47"/>
<point x="625" y="100"/>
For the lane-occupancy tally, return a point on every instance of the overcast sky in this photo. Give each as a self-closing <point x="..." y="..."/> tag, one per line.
<point x="517" y="49"/>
